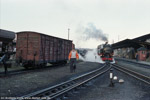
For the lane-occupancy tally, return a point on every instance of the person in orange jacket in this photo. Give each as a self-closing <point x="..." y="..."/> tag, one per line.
<point x="73" y="56"/>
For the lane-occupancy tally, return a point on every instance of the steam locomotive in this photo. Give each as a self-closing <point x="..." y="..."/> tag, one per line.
<point x="105" y="51"/>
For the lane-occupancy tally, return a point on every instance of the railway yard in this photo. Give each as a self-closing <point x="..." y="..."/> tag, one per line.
<point x="90" y="82"/>
<point x="44" y="67"/>
<point x="74" y="50"/>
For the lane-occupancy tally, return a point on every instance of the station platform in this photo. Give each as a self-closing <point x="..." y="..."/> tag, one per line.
<point x="133" y="60"/>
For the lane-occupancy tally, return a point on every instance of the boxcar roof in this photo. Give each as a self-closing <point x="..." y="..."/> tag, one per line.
<point x="41" y="34"/>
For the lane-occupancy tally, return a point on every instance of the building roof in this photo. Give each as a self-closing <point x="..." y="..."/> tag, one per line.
<point x="135" y="43"/>
<point x="141" y="49"/>
<point x="142" y="38"/>
<point x="42" y="34"/>
<point x="125" y="43"/>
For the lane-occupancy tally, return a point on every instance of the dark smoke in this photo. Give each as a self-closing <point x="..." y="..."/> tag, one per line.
<point x="91" y="32"/>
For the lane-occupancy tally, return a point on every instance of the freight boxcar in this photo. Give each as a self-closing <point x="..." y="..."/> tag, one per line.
<point x="37" y="49"/>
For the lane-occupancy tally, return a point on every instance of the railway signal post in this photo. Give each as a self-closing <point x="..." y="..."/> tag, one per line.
<point x="114" y="79"/>
<point x="111" y="78"/>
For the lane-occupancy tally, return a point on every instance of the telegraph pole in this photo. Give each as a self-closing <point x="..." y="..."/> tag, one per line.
<point x="68" y="33"/>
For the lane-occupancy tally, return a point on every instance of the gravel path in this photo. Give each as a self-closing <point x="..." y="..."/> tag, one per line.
<point x="23" y="84"/>
<point x="98" y="89"/>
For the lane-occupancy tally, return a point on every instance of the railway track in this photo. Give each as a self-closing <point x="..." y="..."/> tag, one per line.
<point x="23" y="71"/>
<point x="62" y="89"/>
<point x="15" y="72"/>
<point x="139" y="76"/>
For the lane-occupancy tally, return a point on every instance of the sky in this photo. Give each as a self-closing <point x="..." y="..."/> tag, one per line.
<point x="89" y="21"/>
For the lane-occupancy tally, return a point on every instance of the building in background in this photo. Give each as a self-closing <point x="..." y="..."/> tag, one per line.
<point x="6" y="41"/>
<point x="129" y="47"/>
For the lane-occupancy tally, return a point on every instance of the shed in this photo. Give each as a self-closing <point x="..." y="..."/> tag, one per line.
<point x="6" y="40"/>
<point x="142" y="52"/>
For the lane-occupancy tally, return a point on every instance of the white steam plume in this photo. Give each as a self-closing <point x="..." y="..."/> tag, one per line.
<point x="91" y="56"/>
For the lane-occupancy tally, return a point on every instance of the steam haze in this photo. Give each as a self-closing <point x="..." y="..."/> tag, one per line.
<point x="91" y="32"/>
<point x="113" y="19"/>
<point x="91" y="56"/>
<point x="89" y="36"/>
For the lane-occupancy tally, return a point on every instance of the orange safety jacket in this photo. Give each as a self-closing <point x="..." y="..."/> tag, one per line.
<point x="70" y="55"/>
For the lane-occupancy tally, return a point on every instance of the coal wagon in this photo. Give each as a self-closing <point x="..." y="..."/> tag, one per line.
<point x="37" y="49"/>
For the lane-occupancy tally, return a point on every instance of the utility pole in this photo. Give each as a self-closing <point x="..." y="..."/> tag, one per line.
<point x="68" y="33"/>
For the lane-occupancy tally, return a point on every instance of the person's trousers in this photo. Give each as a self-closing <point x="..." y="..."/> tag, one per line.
<point x="72" y="64"/>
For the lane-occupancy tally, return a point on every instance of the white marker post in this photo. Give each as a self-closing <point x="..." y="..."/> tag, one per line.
<point x="111" y="78"/>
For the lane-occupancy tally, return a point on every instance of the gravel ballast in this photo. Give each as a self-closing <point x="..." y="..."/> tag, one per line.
<point x="22" y="84"/>
<point x="137" y="68"/>
<point x="99" y="89"/>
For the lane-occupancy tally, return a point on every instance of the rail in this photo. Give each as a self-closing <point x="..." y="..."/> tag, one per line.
<point x="64" y="87"/>
<point x="139" y="76"/>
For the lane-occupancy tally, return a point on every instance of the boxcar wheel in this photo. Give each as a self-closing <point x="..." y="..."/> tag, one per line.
<point x="26" y="66"/>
